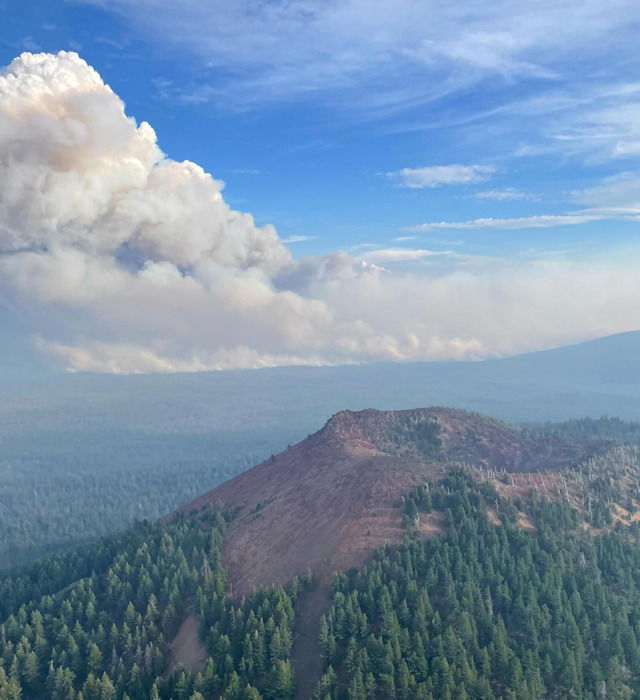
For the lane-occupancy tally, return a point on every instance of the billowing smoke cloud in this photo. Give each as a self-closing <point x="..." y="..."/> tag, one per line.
<point x="125" y="261"/>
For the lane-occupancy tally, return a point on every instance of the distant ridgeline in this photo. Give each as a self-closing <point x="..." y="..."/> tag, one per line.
<point x="520" y="585"/>
<point x="606" y="428"/>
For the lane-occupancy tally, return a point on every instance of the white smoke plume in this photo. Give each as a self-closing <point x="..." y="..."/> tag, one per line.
<point x="124" y="261"/>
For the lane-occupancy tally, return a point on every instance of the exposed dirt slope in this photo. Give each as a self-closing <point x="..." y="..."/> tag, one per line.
<point x="329" y="501"/>
<point x="187" y="649"/>
<point x="318" y="506"/>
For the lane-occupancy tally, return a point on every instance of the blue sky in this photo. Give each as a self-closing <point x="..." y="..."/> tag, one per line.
<point x="425" y="137"/>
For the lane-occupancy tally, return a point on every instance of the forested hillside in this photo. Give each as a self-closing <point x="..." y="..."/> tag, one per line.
<point x="105" y="635"/>
<point x="487" y="610"/>
<point x="403" y="574"/>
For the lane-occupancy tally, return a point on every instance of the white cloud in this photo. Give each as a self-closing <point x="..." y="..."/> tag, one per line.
<point x="507" y="194"/>
<point x="297" y="238"/>
<point x="599" y="122"/>
<point x="437" y="175"/>
<point x="389" y="255"/>
<point x="520" y="222"/>
<point x="619" y="193"/>
<point x="121" y="260"/>
<point x="612" y="131"/>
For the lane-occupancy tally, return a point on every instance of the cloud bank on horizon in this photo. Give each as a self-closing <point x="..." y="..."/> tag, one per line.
<point x="122" y="260"/>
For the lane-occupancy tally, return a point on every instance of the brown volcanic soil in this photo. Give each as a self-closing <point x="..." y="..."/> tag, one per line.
<point x="325" y="503"/>
<point x="329" y="501"/>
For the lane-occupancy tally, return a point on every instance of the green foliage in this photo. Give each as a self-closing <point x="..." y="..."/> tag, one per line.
<point x="487" y="611"/>
<point x="411" y="435"/>
<point x="603" y="428"/>
<point x="95" y="624"/>
<point x="45" y="512"/>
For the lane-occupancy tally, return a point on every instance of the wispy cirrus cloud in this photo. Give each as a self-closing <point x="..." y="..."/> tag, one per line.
<point x="618" y="193"/>
<point x="593" y="121"/>
<point x="438" y="175"/>
<point x="297" y="238"/>
<point x="284" y="50"/>
<point x="549" y="79"/>
<point x="519" y="222"/>
<point x="504" y="195"/>
<point x="391" y="255"/>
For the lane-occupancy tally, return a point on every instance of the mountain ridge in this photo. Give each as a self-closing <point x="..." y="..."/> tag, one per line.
<point x="328" y="502"/>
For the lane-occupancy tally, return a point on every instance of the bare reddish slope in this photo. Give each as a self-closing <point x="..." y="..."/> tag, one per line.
<point x="325" y="503"/>
<point x="330" y="500"/>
